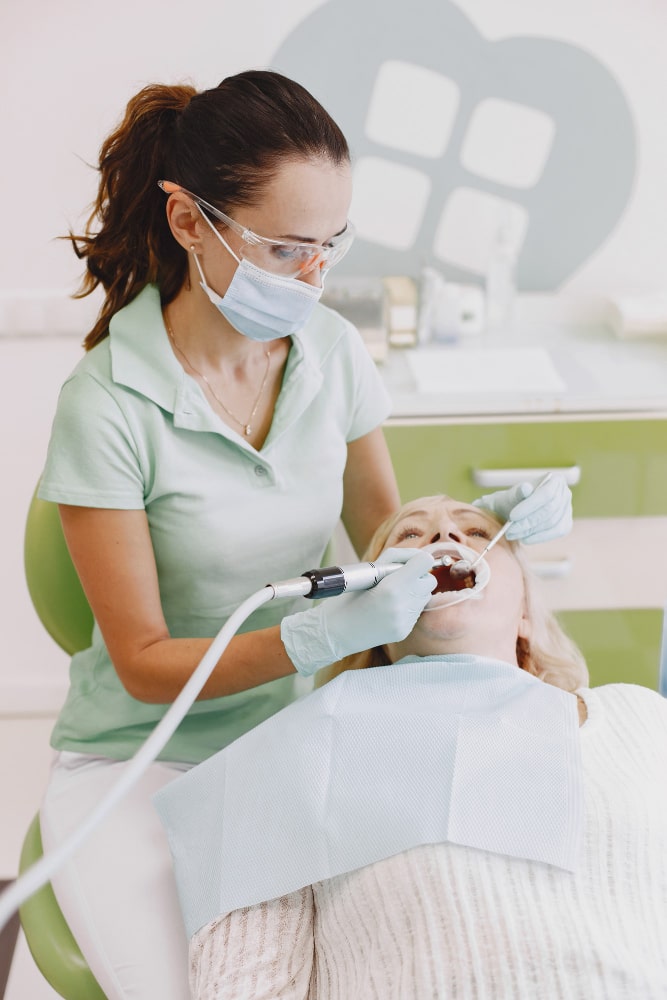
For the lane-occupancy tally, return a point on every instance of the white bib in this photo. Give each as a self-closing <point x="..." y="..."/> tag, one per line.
<point x="452" y="748"/>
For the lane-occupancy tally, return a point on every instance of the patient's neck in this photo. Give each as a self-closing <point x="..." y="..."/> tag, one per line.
<point x="425" y="645"/>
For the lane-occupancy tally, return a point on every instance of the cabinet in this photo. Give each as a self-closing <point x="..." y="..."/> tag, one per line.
<point x="607" y="581"/>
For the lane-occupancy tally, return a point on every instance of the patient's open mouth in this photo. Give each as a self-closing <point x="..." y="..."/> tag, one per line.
<point x="452" y="581"/>
<point x="452" y="588"/>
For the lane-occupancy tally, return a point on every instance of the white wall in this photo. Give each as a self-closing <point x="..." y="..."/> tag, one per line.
<point x="66" y="71"/>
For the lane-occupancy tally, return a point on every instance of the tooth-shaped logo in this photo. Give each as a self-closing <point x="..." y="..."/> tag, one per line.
<point x="453" y="134"/>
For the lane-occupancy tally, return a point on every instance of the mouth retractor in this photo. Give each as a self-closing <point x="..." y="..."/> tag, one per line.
<point x="456" y="587"/>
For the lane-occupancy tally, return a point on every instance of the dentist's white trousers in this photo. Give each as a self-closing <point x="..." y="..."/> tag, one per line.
<point x="117" y="892"/>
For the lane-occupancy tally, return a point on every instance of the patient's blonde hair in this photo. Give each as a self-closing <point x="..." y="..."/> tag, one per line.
<point x="550" y="654"/>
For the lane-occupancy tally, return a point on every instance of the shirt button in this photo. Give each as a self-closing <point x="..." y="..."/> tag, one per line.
<point x="260" y="470"/>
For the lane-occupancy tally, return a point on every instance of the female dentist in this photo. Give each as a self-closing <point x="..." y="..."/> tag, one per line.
<point x="219" y="424"/>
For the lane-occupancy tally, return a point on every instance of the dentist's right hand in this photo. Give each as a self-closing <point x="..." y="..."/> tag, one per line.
<point x="339" y="626"/>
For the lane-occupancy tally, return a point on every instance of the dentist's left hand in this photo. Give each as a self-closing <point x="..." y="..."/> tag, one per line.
<point x="537" y="515"/>
<point x="353" y="622"/>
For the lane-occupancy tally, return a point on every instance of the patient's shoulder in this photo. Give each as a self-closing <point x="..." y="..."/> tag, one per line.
<point x="628" y="707"/>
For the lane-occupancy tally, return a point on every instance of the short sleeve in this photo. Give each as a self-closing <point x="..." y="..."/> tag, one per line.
<point x="92" y="459"/>
<point x="371" y="400"/>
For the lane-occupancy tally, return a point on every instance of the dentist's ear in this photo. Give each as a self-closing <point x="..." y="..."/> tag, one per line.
<point x="184" y="221"/>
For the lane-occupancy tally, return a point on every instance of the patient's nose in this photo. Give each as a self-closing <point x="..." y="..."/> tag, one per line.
<point x="449" y="529"/>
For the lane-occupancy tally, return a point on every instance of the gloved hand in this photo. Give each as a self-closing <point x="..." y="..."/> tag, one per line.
<point x="338" y="626"/>
<point x="536" y="515"/>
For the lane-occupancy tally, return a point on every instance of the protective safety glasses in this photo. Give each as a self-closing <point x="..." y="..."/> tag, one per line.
<point x="290" y="260"/>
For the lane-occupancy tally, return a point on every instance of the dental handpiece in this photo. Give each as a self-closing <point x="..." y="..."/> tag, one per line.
<point x="330" y="581"/>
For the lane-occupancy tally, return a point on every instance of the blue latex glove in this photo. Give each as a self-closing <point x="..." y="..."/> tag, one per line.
<point x="338" y="626"/>
<point x="536" y="515"/>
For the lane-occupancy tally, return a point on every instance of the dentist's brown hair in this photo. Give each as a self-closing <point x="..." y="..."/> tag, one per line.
<point x="224" y="144"/>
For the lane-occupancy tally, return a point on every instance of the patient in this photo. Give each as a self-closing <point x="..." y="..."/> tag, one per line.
<point x="499" y="830"/>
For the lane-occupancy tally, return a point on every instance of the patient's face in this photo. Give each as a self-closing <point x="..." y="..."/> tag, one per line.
<point x="488" y="624"/>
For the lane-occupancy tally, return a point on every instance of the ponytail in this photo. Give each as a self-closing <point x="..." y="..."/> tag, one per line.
<point x="127" y="242"/>
<point x="223" y="144"/>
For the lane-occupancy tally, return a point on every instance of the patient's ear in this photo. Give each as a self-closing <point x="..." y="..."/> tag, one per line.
<point x="524" y="628"/>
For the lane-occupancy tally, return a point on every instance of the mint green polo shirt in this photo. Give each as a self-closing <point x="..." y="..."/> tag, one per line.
<point x="133" y="431"/>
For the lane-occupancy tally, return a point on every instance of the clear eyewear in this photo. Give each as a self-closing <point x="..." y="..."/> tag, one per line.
<point x="290" y="260"/>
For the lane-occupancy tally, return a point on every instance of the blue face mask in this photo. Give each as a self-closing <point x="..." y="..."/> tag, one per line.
<point x="261" y="305"/>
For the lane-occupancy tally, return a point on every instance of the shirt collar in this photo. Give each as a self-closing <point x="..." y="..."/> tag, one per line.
<point x="143" y="361"/>
<point x="141" y="357"/>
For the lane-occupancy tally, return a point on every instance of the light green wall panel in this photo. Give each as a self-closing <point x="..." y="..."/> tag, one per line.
<point x="620" y="646"/>
<point x="623" y="463"/>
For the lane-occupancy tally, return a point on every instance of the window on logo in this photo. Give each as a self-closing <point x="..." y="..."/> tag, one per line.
<point x="469" y="225"/>
<point x="412" y="109"/>
<point x="389" y="202"/>
<point x="520" y="137"/>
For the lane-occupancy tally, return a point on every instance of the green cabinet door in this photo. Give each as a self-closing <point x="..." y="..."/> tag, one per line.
<point x="623" y="463"/>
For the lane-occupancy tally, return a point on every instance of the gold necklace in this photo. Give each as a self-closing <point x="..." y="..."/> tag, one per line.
<point x="245" y="424"/>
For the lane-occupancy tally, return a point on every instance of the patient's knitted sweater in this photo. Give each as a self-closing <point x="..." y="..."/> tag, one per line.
<point x="444" y="921"/>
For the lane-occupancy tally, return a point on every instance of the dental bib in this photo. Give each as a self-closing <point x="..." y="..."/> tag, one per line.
<point x="450" y="748"/>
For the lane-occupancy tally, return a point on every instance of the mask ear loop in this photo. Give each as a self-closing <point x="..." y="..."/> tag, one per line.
<point x="203" y="282"/>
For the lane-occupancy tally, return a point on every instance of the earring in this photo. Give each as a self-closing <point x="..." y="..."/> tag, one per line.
<point x="188" y="283"/>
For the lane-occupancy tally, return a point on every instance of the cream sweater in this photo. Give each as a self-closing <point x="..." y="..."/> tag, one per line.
<point x="444" y="921"/>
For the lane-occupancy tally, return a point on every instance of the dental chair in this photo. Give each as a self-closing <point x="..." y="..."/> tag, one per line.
<point x="64" y="611"/>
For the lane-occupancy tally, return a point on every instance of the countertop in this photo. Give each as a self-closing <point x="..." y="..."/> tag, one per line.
<point x="568" y="369"/>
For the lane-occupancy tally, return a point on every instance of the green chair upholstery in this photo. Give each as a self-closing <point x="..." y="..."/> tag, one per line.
<point x="54" y="587"/>
<point x="50" y="940"/>
<point x="62" y="607"/>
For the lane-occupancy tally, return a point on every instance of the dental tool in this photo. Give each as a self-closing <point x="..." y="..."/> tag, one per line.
<point x="330" y="581"/>
<point x="463" y="566"/>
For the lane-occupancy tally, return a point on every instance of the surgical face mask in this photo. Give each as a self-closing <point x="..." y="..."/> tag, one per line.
<point x="261" y="305"/>
<point x="452" y="589"/>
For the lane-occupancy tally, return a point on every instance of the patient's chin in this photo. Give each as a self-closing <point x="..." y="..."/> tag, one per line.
<point x="444" y="630"/>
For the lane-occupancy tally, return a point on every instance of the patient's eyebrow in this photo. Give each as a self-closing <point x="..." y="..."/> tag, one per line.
<point x="413" y="513"/>
<point x="475" y="513"/>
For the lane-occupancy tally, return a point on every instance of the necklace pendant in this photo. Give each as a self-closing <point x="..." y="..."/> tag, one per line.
<point x="248" y="430"/>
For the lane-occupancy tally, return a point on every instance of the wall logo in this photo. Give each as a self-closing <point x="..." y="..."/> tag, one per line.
<point x="452" y="135"/>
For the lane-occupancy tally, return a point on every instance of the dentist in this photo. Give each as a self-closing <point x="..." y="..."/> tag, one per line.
<point x="218" y="426"/>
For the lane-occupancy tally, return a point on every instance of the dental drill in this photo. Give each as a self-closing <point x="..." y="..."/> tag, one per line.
<point x="316" y="584"/>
